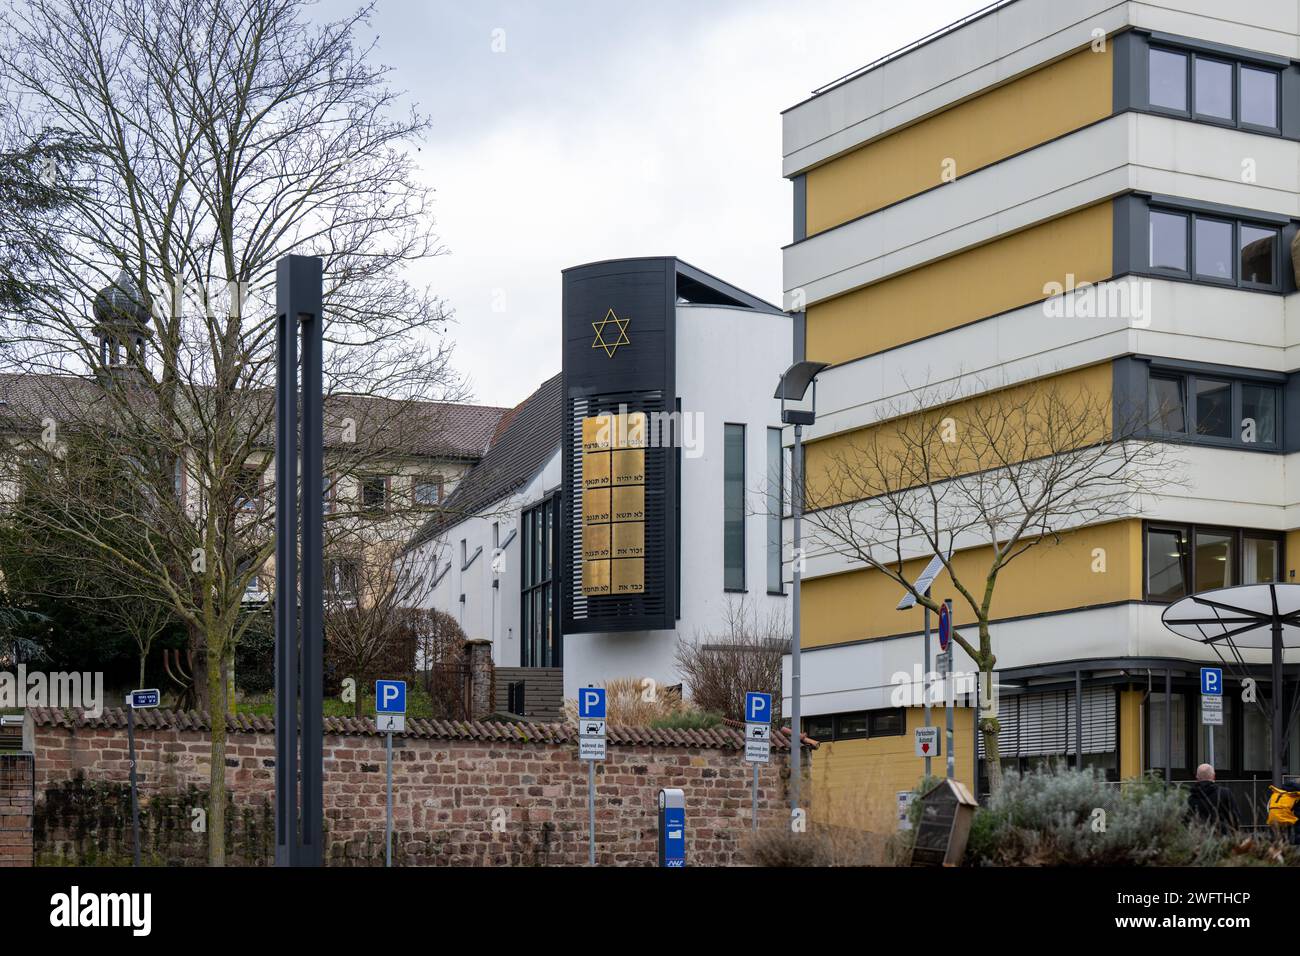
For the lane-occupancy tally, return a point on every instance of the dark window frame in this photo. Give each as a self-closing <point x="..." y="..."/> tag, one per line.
<point x="535" y="580"/>
<point x="779" y="515"/>
<point x="867" y="718"/>
<point x="727" y="518"/>
<point x="1189" y="532"/>
<point x="1190" y="274"/>
<point x="1237" y="64"/>
<point x="1190" y="411"/>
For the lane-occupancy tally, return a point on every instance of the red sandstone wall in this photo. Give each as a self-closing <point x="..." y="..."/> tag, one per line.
<point x="456" y="802"/>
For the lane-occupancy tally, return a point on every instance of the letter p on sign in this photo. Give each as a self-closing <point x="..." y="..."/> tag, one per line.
<point x="390" y="697"/>
<point x="591" y="703"/>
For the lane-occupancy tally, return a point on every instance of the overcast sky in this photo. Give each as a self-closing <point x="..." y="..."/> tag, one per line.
<point x="566" y="131"/>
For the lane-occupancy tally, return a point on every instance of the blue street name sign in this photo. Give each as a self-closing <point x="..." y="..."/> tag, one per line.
<point x="144" y="698"/>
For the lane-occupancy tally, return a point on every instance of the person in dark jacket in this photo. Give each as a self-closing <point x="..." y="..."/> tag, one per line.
<point x="1212" y="803"/>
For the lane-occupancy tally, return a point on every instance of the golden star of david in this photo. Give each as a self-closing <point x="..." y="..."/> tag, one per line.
<point x="610" y="347"/>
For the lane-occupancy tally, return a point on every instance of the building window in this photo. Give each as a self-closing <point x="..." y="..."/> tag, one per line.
<point x="1261" y="560"/>
<point x="1185" y="559"/>
<point x="248" y="485"/>
<point x="1258" y="97"/>
<point x="1166" y="402"/>
<point x="1168" y="248"/>
<point x="539" y="620"/>
<point x="886" y="723"/>
<point x="1166" y="560"/>
<point x="1214" y="249"/>
<point x="1213" y="407"/>
<point x="775" y="499"/>
<point x="1221" y="410"/>
<point x="1168" y="79"/>
<point x="342" y="578"/>
<point x="428" y="492"/>
<point x="374" y="494"/>
<point x="733" y="508"/>
<point x="857" y="725"/>
<point x="1214" y="560"/>
<point x="1213" y="89"/>
<point x="1257" y="247"/>
<point x="1220" y="250"/>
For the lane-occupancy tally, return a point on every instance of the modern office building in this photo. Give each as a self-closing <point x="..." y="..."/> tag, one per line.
<point x="626" y="504"/>
<point x="1089" y="195"/>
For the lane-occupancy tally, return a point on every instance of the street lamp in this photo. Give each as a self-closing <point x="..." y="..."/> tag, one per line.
<point x="792" y="387"/>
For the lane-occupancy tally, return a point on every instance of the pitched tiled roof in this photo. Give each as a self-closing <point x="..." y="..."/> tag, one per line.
<point x="528" y="440"/>
<point x="717" y="738"/>
<point x="434" y="429"/>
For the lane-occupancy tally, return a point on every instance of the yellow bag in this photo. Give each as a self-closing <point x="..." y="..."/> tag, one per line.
<point x="1281" y="807"/>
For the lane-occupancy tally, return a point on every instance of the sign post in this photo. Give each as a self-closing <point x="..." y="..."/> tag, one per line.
<point x="591" y="747"/>
<point x="390" y="715"/>
<point x="923" y="585"/>
<point x="945" y="639"/>
<point x="136" y="699"/>
<point x="1211" y="703"/>
<point x="758" y="739"/>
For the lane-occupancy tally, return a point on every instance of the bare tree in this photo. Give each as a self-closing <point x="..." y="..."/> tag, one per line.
<point x="745" y="655"/>
<point x="1005" y="470"/>
<point x="219" y="137"/>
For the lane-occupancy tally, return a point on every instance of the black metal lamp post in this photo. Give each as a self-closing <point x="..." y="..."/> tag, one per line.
<point x="792" y="387"/>
<point x="299" y="596"/>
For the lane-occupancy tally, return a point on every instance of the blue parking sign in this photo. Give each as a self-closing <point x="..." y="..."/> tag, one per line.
<point x="591" y="703"/>
<point x="758" y="707"/>
<point x="1212" y="681"/>
<point x="390" y="697"/>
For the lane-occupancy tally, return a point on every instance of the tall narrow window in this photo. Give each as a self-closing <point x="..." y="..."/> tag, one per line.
<point x="1259" y="561"/>
<point x="1167" y="404"/>
<point x="1258" y="246"/>
<point x="775" y="498"/>
<point x="1214" y="407"/>
<point x="1213" y="89"/>
<point x="1166" y="564"/>
<point x="539" y="631"/>
<point x="1168" y="241"/>
<point x="1214" y="253"/>
<point x="733" y="508"/>
<point x="1214" y="559"/>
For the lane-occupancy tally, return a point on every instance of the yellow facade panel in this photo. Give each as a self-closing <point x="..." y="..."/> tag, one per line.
<point x="1097" y="565"/>
<point x="986" y="280"/>
<point x="1024" y="113"/>
<point x="855" y="783"/>
<point x="1024" y="422"/>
